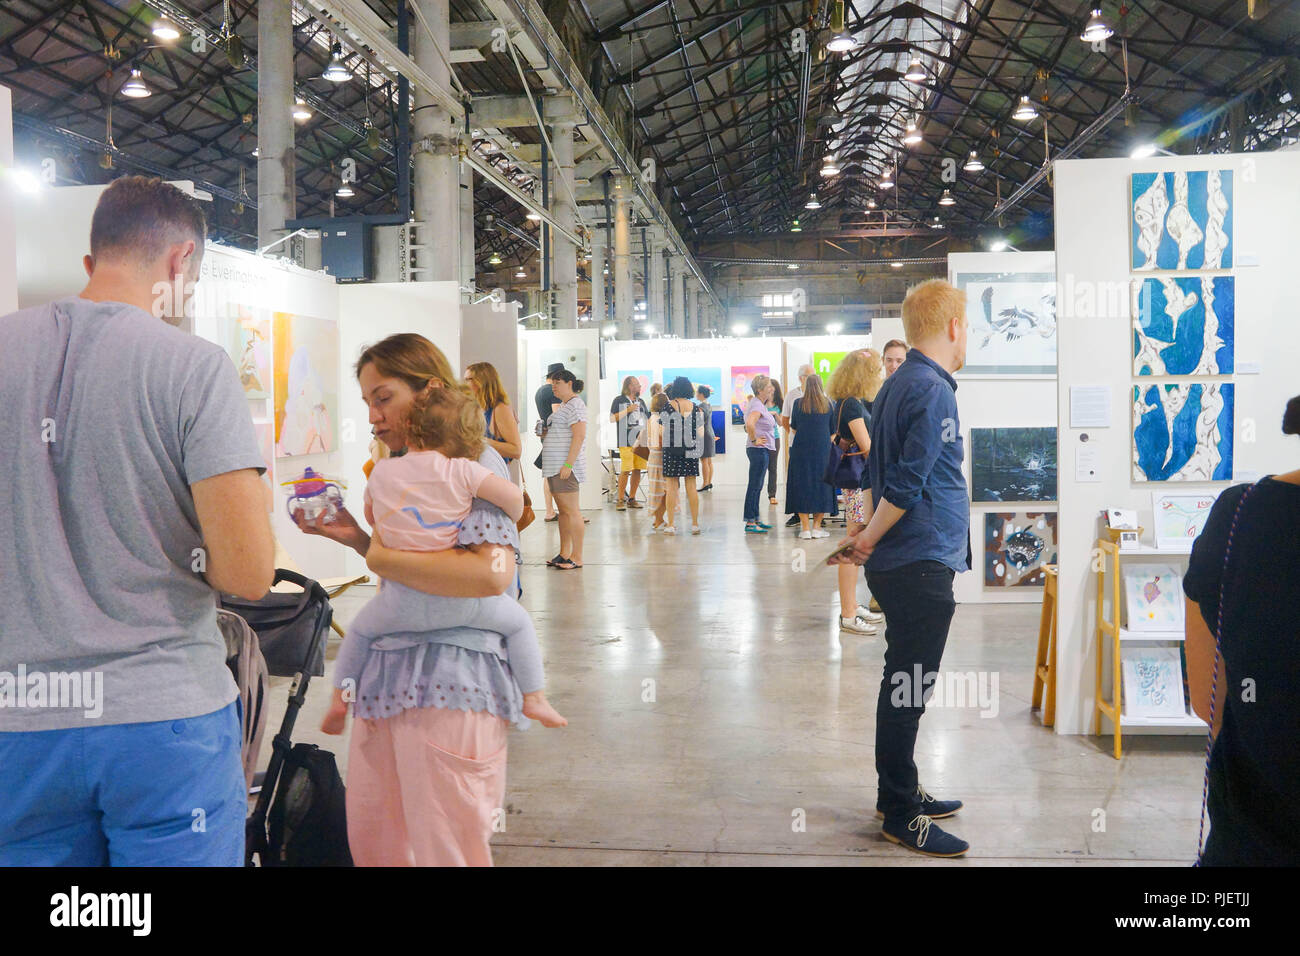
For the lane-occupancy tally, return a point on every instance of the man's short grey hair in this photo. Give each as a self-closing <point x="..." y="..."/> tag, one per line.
<point x="805" y="370"/>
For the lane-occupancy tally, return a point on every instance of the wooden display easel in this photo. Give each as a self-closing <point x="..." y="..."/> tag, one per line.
<point x="1044" y="694"/>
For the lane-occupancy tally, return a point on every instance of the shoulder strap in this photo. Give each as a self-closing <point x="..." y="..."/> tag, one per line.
<point x="1218" y="654"/>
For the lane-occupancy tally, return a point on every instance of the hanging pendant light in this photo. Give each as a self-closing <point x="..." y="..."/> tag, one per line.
<point x="494" y="259"/>
<point x="973" y="164"/>
<point x="841" y="40"/>
<point x="1025" y="111"/>
<point x="946" y="199"/>
<point x="336" y="71"/>
<point x="829" y="168"/>
<point x="345" y="191"/>
<point x="915" y="72"/>
<point x="163" y="29"/>
<point x="871" y="204"/>
<point x="301" y="111"/>
<point x="1097" y="29"/>
<point x="135" y="86"/>
<point x="812" y="202"/>
<point x="796" y="227"/>
<point x="887" y="180"/>
<point x="521" y="274"/>
<point x="913" y="134"/>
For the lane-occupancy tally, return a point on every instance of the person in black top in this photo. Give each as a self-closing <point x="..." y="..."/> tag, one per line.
<point x="1252" y="597"/>
<point x="546" y="403"/>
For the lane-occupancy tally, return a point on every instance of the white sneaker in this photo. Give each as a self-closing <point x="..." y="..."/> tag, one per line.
<point x="857" y="626"/>
<point x="819" y="533"/>
<point x="669" y="529"/>
<point x="873" y="617"/>
<point x="695" y="529"/>
<point x="805" y="535"/>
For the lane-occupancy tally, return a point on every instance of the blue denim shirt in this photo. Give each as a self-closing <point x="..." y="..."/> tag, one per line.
<point x="915" y="463"/>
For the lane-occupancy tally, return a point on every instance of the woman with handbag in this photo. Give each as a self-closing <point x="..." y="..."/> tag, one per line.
<point x="806" y="492"/>
<point x="683" y="430"/>
<point x="853" y="387"/>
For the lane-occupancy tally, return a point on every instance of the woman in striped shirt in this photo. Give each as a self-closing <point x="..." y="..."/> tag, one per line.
<point x="564" y="463"/>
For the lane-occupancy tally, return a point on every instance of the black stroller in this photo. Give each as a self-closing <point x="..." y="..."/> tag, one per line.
<point x="291" y="629"/>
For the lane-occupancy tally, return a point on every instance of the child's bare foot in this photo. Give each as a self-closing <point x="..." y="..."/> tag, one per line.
<point x="539" y="708"/>
<point x="336" y="718"/>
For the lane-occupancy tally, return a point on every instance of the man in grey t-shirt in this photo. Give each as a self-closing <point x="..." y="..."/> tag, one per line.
<point x="132" y="473"/>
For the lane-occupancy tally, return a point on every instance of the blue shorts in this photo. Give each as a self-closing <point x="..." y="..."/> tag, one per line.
<point x="169" y="793"/>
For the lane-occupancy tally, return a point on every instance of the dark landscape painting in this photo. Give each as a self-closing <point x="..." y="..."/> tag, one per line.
<point x="1013" y="464"/>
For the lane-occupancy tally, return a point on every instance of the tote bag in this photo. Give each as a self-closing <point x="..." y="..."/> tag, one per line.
<point x="844" y="466"/>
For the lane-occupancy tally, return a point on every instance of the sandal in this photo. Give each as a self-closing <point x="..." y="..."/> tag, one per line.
<point x="554" y="562"/>
<point x="554" y="517"/>
<point x="566" y="564"/>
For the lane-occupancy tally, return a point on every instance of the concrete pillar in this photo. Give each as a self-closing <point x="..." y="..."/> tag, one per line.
<point x="678" y="292"/>
<point x="596" y="269"/>
<point x="276" y="179"/>
<point x="622" y="267"/>
<point x="437" y="176"/>
<point x="467" y="226"/>
<point x="692" y="309"/>
<point x="655" y="285"/>
<point x="564" y="254"/>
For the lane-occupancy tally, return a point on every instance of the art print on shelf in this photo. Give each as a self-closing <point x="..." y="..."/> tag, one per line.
<point x="1012" y="319"/>
<point x="1184" y="326"/>
<point x="1182" y="220"/>
<point x="1013" y="464"/>
<point x="741" y="376"/>
<point x="248" y="343"/>
<point x="1183" y="432"/>
<point x="1017" y="546"/>
<point x="1180" y="518"/>
<point x="1152" y="677"/>
<point x="306" y="385"/>
<point x="1153" y="597"/>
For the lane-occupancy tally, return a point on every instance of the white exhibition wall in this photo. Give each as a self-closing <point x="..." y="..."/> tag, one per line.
<point x="369" y="312"/>
<point x="8" y="250"/>
<point x="1094" y="273"/>
<point x="579" y="350"/>
<point x="997" y="401"/>
<point x="489" y="332"/>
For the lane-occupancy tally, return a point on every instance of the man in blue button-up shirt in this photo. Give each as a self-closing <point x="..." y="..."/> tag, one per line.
<point x="917" y="537"/>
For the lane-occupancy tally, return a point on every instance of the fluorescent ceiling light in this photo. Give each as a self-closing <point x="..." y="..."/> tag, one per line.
<point x="336" y="71"/>
<point x="135" y="86"/>
<point x="792" y="265"/>
<point x="896" y="265"/>
<point x="1096" y="30"/>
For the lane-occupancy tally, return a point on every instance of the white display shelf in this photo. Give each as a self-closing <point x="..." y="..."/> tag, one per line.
<point x="1187" y="723"/>
<point x="1129" y="635"/>
<point x="1151" y="549"/>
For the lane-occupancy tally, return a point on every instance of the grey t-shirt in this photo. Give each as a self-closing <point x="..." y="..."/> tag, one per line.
<point x="110" y="415"/>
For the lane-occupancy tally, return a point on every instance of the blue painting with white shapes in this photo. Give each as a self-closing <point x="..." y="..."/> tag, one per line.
<point x="1183" y="432"/>
<point x="1184" y="326"/>
<point x="1182" y="220"/>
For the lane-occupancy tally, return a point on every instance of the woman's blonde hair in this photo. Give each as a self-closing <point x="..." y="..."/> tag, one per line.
<point x="859" y="375"/>
<point x="412" y="358"/>
<point x="491" y="392"/>
<point x="814" y="401"/>
<point x="448" y="421"/>
<point x="659" y="402"/>
<point x="757" y="384"/>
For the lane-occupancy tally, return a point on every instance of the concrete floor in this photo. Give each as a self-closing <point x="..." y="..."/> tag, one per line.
<point x="713" y="705"/>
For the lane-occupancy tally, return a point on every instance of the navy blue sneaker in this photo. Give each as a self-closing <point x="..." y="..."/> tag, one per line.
<point x="921" y="835"/>
<point x="932" y="808"/>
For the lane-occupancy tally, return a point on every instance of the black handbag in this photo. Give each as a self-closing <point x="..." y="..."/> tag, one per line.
<point x="844" y="467"/>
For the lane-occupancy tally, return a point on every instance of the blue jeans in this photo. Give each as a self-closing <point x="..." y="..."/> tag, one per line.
<point x="918" y="604"/>
<point x="166" y="793"/>
<point x="758" y="462"/>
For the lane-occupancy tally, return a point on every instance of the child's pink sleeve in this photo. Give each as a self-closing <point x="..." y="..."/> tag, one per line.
<point x="470" y="475"/>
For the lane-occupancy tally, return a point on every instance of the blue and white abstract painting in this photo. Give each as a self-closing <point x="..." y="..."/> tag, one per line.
<point x="1182" y="220"/>
<point x="1183" y="326"/>
<point x="1183" y="432"/>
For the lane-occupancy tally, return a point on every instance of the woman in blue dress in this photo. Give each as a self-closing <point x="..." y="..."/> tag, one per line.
<point x="806" y="494"/>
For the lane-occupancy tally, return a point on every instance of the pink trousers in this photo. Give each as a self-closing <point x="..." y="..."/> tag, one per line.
<point x="423" y="787"/>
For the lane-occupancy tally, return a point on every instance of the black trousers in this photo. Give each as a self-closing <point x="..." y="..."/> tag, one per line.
<point x="918" y="604"/>
<point x="774" y="455"/>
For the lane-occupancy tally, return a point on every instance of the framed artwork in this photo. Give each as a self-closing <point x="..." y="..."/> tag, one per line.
<point x="1180" y="517"/>
<point x="1016" y="547"/>
<point x="1184" y="326"/>
<point x="575" y="360"/>
<point x="741" y="376"/>
<point x="1153" y="597"/>
<point x="712" y="377"/>
<point x="1183" y="432"/>
<point x="644" y="376"/>
<point x="1013" y="464"/>
<point x="1012" y="318"/>
<point x="248" y="343"/>
<point x="1182" y="220"/>
<point x="266" y="441"/>
<point x="825" y="363"/>
<point x="1152" y="677"/>
<point x="306" y="384"/>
